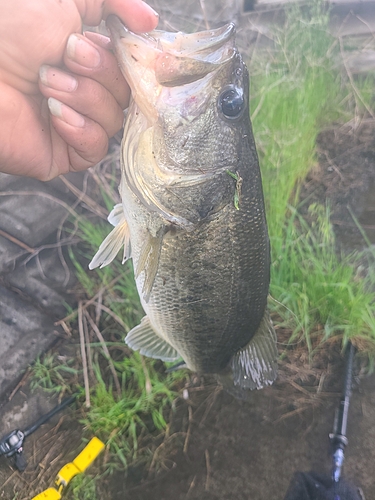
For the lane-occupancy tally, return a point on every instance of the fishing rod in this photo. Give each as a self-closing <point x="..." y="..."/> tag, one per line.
<point x="11" y="445"/>
<point x="338" y="437"/>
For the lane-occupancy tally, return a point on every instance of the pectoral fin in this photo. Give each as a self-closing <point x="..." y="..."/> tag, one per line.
<point x="255" y="365"/>
<point x="118" y="237"/>
<point x="144" y="339"/>
<point x="116" y="216"/>
<point x="149" y="262"/>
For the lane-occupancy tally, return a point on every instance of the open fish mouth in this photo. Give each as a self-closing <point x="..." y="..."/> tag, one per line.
<point x="209" y="45"/>
<point x="174" y="58"/>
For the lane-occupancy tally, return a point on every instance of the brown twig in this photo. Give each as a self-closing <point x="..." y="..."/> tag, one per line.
<point x="83" y="354"/>
<point x="89" y="302"/>
<point x="88" y="347"/>
<point x="208" y="467"/>
<point x="192" y="485"/>
<point x="17" y="241"/>
<point x="105" y="349"/>
<point x="9" y="479"/>
<point x="188" y="433"/>
<point x="204" y="12"/>
<point x="114" y="316"/>
<point x="44" y="195"/>
<point x="148" y="384"/>
<point x="20" y="384"/>
<point x="160" y="447"/>
<point x="351" y="80"/>
<point x="65" y="327"/>
<point x="98" y="309"/>
<point x="212" y="397"/>
<point x="301" y="389"/>
<point x="95" y="207"/>
<point x="56" y="459"/>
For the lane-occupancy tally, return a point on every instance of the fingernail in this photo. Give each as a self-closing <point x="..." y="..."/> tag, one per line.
<point x="57" y="79"/>
<point x="82" y="52"/>
<point x="66" y="114"/>
<point x="152" y="10"/>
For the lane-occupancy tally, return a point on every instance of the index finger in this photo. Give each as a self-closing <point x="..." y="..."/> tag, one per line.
<point x="107" y="72"/>
<point x="136" y="14"/>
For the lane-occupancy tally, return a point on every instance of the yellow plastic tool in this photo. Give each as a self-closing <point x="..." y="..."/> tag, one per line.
<point x="50" y="494"/>
<point x="66" y="474"/>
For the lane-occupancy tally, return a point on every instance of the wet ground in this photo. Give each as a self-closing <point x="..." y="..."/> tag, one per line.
<point x="251" y="450"/>
<point x="222" y="449"/>
<point x="345" y="177"/>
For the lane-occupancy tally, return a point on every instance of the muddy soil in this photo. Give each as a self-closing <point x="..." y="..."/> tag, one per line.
<point x="344" y="177"/>
<point x="236" y="450"/>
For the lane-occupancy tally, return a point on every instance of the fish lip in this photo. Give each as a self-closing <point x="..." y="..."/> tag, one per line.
<point x="215" y="38"/>
<point x="198" y="44"/>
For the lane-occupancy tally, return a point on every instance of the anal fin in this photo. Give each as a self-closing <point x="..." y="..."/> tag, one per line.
<point x="144" y="339"/>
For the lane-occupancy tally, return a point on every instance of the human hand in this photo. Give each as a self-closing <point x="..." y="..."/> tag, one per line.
<point x="61" y="120"/>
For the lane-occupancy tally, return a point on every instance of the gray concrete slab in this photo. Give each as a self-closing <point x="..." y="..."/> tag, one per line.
<point x="25" y="333"/>
<point x="30" y="210"/>
<point x="9" y="254"/>
<point x="46" y="278"/>
<point x="35" y="276"/>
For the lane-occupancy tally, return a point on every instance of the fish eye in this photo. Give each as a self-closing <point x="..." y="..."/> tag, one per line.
<point x="231" y="103"/>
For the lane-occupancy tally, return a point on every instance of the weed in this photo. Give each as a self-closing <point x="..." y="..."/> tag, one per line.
<point x="83" y="487"/>
<point x="51" y="374"/>
<point x="325" y="291"/>
<point x="120" y="420"/>
<point x="297" y="91"/>
<point x="294" y="95"/>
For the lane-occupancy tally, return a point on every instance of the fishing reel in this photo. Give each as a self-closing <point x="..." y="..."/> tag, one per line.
<point x="11" y="446"/>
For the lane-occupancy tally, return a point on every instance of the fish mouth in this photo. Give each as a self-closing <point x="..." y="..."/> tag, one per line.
<point x="201" y="44"/>
<point x="174" y="58"/>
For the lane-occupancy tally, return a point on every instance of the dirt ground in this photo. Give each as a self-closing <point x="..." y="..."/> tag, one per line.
<point x="344" y="177"/>
<point x="242" y="451"/>
<point x="219" y="448"/>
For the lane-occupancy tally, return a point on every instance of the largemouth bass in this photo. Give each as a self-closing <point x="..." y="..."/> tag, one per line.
<point x="192" y="215"/>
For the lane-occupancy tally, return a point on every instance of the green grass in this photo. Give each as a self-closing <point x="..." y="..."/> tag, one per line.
<point x="52" y="375"/>
<point x="83" y="487"/>
<point x="320" y="291"/>
<point x="296" y="92"/>
<point x="146" y="394"/>
<point x="116" y="279"/>
<point x="129" y="420"/>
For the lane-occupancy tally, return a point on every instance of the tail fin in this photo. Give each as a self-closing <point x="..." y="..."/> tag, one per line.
<point x="255" y="365"/>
